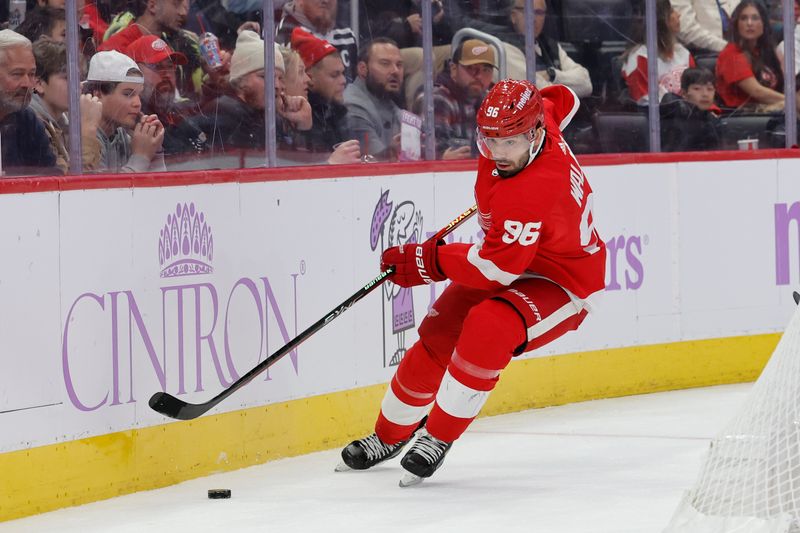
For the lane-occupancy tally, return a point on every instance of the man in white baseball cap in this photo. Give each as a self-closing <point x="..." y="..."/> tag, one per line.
<point x="130" y="141"/>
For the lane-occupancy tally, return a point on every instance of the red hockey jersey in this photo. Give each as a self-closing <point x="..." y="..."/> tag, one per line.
<point x="539" y="222"/>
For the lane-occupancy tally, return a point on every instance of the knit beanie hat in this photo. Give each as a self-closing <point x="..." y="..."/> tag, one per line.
<point x="311" y="48"/>
<point x="248" y="56"/>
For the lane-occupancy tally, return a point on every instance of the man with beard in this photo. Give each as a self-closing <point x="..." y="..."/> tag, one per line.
<point x="238" y="119"/>
<point x="165" y="19"/>
<point x="456" y="97"/>
<point x="25" y="145"/>
<point x="318" y="17"/>
<point x="530" y="279"/>
<point x="326" y="96"/>
<point x="183" y="132"/>
<point x="371" y="100"/>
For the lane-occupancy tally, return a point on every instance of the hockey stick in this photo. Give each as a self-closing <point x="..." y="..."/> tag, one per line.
<point x="169" y="405"/>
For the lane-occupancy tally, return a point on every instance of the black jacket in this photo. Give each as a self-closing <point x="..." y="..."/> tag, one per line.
<point x="685" y="128"/>
<point x="25" y="146"/>
<point x="330" y="126"/>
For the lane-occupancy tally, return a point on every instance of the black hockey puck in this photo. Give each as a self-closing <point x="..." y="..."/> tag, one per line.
<point x="219" y="494"/>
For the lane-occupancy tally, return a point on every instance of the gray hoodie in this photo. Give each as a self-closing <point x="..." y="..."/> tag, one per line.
<point x="116" y="156"/>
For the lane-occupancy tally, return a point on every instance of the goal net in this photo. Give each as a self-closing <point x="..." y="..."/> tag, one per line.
<point x="750" y="482"/>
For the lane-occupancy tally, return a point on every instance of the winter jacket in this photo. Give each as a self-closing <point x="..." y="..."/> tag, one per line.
<point x="686" y="128"/>
<point x="25" y="146"/>
<point x="330" y="126"/>
<point x="56" y="130"/>
<point x="453" y="114"/>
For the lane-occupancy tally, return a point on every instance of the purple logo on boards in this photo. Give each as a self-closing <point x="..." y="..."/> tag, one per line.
<point x="185" y="244"/>
<point x="405" y="227"/>
<point x="785" y="214"/>
<point x="624" y="264"/>
<point x="194" y="333"/>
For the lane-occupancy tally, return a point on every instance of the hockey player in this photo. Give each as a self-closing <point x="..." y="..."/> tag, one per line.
<point x="528" y="282"/>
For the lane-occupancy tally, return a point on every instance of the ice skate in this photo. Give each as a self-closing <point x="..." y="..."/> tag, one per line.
<point x="423" y="459"/>
<point x="365" y="453"/>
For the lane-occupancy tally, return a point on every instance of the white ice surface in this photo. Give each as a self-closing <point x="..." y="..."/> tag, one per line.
<point x="616" y="466"/>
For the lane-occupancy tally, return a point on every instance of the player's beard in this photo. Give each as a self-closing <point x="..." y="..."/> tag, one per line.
<point x="516" y="166"/>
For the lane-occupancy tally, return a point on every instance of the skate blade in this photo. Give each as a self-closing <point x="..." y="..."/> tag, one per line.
<point x="409" y="480"/>
<point x="341" y="467"/>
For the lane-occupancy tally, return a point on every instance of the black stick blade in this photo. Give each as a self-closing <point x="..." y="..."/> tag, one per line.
<point x="169" y="405"/>
<point x="796" y="296"/>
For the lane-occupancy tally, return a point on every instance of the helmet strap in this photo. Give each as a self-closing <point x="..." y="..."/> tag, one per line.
<point x="535" y="147"/>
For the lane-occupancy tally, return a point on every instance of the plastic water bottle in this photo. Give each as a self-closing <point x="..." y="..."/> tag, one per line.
<point x="16" y="13"/>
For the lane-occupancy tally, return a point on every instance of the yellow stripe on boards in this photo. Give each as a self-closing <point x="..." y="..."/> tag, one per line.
<point x="71" y="473"/>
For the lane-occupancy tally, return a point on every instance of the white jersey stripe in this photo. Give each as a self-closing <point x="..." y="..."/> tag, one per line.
<point x="400" y="413"/>
<point x="556" y="318"/>
<point x="458" y="400"/>
<point x="575" y="106"/>
<point x="489" y="270"/>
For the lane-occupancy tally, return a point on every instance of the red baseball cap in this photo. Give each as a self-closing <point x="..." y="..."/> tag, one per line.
<point x="311" y="49"/>
<point x="153" y="49"/>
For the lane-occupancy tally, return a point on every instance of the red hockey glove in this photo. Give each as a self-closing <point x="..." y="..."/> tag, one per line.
<point x="415" y="264"/>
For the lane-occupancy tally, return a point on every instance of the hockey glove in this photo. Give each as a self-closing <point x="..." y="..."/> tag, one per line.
<point x="414" y="264"/>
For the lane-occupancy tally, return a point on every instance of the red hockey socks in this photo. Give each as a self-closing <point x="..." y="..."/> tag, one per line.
<point x="410" y="394"/>
<point x="492" y="331"/>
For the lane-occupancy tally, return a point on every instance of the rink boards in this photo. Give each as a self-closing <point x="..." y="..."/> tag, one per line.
<point x="110" y="294"/>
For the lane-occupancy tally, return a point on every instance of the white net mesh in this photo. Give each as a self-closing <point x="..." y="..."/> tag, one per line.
<point x="750" y="481"/>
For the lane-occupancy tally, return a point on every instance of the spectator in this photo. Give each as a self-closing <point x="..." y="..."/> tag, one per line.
<point x="780" y="49"/>
<point x="51" y="102"/>
<point x="326" y="97"/>
<point x="748" y="72"/>
<point x="401" y="21"/>
<point x="239" y="118"/>
<point x="183" y="132"/>
<point x="704" y="23"/>
<point x="154" y="18"/>
<point x="295" y="80"/>
<point x="165" y="18"/>
<point x="25" y="146"/>
<point x="319" y="17"/>
<point x="553" y="65"/>
<point x="457" y="95"/>
<point x="372" y="98"/>
<point x="117" y="82"/>
<point x="48" y="21"/>
<point x="690" y="121"/>
<point x="673" y="58"/>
